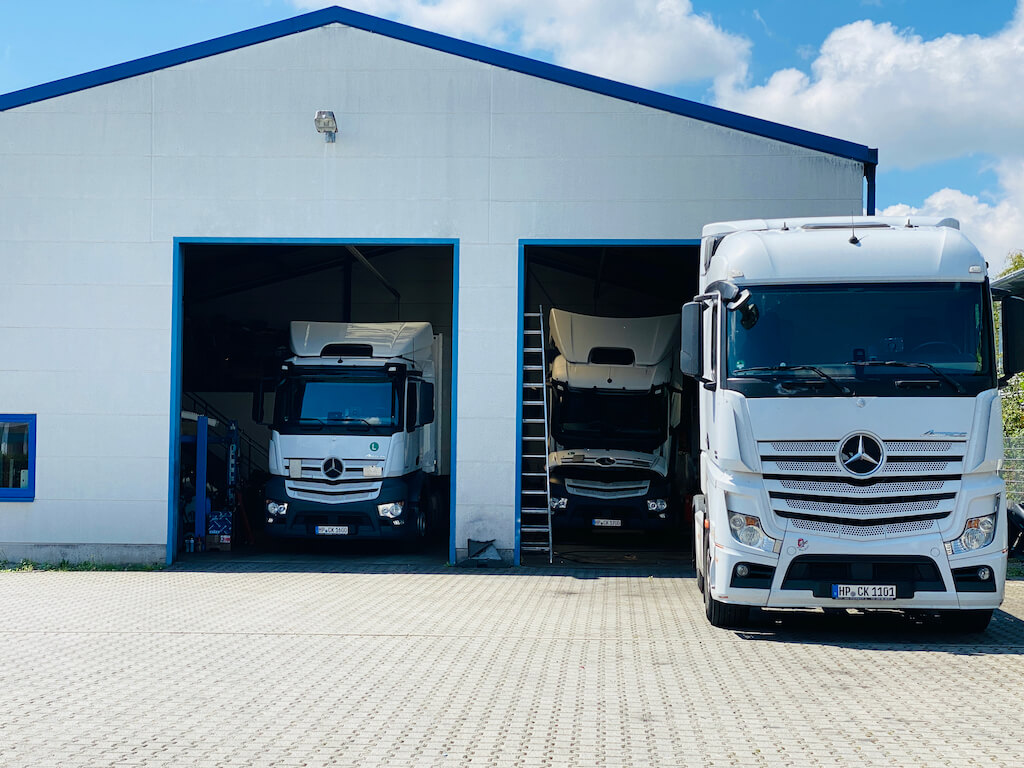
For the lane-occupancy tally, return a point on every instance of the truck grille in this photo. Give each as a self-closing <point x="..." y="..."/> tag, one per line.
<point x="314" y="485"/>
<point x="916" y="486"/>
<point x="599" y="490"/>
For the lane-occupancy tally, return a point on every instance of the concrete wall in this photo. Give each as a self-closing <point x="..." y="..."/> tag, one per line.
<point x="96" y="184"/>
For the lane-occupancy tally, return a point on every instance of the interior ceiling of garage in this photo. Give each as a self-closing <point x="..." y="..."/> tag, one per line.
<point x="239" y="299"/>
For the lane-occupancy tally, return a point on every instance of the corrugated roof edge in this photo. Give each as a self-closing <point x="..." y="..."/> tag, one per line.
<point x="503" y="59"/>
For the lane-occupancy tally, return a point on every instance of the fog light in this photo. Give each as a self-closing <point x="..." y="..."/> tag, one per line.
<point x="742" y="570"/>
<point x="398" y="522"/>
<point x="984" y="573"/>
<point x="270" y="520"/>
<point x="392" y="509"/>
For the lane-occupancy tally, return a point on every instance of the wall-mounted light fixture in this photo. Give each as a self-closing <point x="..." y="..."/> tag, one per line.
<point x="326" y="124"/>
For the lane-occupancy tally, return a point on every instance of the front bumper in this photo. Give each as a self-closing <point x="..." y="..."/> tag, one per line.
<point x="808" y="566"/>
<point x="360" y="518"/>
<point x="630" y="513"/>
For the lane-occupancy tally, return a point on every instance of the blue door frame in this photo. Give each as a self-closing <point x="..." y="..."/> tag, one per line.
<point x="177" y="319"/>
<point x="523" y="245"/>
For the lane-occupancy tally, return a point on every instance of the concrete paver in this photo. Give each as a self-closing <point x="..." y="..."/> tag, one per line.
<point x="337" y="662"/>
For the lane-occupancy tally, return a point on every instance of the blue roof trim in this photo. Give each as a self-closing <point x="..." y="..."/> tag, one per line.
<point x="393" y="29"/>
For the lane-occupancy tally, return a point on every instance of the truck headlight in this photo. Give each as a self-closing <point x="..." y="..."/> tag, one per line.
<point x="277" y="508"/>
<point x="656" y="505"/>
<point x="746" y="529"/>
<point x="559" y="502"/>
<point x="390" y="510"/>
<point x="978" y="533"/>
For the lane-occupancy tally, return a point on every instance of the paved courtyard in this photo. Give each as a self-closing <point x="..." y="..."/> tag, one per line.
<point x="349" y="661"/>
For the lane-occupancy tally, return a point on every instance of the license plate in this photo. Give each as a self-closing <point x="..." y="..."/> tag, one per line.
<point x="864" y="591"/>
<point x="600" y="523"/>
<point x="332" y="530"/>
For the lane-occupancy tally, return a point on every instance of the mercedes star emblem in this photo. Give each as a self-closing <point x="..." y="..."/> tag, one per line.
<point x="333" y="468"/>
<point x="861" y="454"/>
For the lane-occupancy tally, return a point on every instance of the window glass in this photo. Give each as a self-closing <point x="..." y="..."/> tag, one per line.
<point x="16" y="457"/>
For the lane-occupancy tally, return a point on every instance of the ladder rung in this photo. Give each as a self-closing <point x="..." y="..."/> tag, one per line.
<point x="533" y="367"/>
<point x="535" y="474"/>
<point x="533" y="402"/>
<point x="533" y="528"/>
<point x="534" y="421"/>
<point x="531" y="314"/>
<point x="532" y="350"/>
<point x="534" y="548"/>
<point x="532" y="331"/>
<point x="534" y="511"/>
<point x="535" y="493"/>
<point x="535" y="437"/>
<point x="534" y="385"/>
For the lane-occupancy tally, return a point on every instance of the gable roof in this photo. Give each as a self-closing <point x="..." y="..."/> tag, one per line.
<point x="503" y="59"/>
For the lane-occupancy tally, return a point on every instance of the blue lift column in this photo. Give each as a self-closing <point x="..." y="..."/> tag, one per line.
<point x="202" y="441"/>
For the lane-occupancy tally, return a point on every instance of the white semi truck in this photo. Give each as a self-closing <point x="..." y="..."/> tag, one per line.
<point x="355" y="447"/>
<point x="615" y="403"/>
<point x="850" y="430"/>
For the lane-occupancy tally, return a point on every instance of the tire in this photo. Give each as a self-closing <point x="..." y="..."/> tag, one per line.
<point x="723" y="615"/>
<point x="696" y="565"/>
<point x="967" y="622"/>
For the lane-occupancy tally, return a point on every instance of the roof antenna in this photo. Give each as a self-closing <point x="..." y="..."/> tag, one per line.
<point x="909" y="225"/>
<point x="853" y="233"/>
<point x="784" y="227"/>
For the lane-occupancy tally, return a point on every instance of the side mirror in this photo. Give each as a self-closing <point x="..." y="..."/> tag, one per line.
<point x="411" y="406"/>
<point x="691" y="352"/>
<point x="1013" y="335"/>
<point x="426" y="403"/>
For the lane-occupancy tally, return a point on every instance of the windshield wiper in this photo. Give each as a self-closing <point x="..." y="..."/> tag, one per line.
<point x="945" y="377"/>
<point x="780" y="368"/>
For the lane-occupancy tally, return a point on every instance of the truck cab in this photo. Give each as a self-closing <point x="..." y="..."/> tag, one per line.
<point x="614" y="409"/>
<point x="354" y="437"/>
<point x="850" y="425"/>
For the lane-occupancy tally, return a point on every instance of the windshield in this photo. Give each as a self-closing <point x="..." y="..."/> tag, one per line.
<point x="879" y="339"/>
<point x="593" y="419"/>
<point x="329" y="403"/>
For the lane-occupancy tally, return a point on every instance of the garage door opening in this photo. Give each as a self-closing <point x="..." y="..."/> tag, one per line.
<point x="608" y="426"/>
<point x="315" y="398"/>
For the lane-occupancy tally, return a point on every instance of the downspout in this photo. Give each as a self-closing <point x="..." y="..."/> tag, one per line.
<point x="869" y="174"/>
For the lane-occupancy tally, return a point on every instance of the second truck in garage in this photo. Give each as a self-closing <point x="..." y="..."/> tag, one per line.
<point x="615" y="404"/>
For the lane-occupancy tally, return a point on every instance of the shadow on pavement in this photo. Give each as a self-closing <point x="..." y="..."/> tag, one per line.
<point x="885" y="630"/>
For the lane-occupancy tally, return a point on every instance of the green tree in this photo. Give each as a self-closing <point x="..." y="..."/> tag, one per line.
<point x="1013" y="393"/>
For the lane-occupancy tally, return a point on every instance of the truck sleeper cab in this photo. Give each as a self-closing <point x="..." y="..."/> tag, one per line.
<point x="353" y="449"/>
<point x="850" y="421"/>
<point x="613" y="410"/>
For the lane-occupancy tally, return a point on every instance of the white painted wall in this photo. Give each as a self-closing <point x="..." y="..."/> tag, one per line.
<point x="97" y="183"/>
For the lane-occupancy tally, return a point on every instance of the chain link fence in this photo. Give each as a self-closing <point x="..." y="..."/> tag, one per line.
<point x="1013" y="468"/>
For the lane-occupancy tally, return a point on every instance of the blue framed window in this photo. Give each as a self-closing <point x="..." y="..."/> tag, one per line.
<point x="17" y="457"/>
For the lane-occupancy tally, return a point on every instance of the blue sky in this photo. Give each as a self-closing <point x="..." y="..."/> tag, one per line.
<point x="930" y="83"/>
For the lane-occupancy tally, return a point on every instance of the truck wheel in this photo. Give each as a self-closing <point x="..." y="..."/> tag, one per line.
<point x="696" y="565"/>
<point x="966" y="621"/>
<point x="723" y="614"/>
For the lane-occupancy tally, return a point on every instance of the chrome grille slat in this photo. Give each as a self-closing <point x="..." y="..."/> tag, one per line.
<point x="598" y="490"/>
<point x="875" y="489"/>
<point x="808" y="486"/>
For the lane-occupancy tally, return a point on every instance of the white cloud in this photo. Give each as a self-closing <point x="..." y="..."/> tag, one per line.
<point x="917" y="100"/>
<point x="996" y="228"/>
<point x="652" y="43"/>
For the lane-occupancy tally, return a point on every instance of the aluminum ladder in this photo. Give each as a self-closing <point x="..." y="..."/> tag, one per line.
<point x="535" y="477"/>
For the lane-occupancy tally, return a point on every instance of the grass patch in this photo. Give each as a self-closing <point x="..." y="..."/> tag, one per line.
<point x="64" y="565"/>
<point x="1015" y="569"/>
